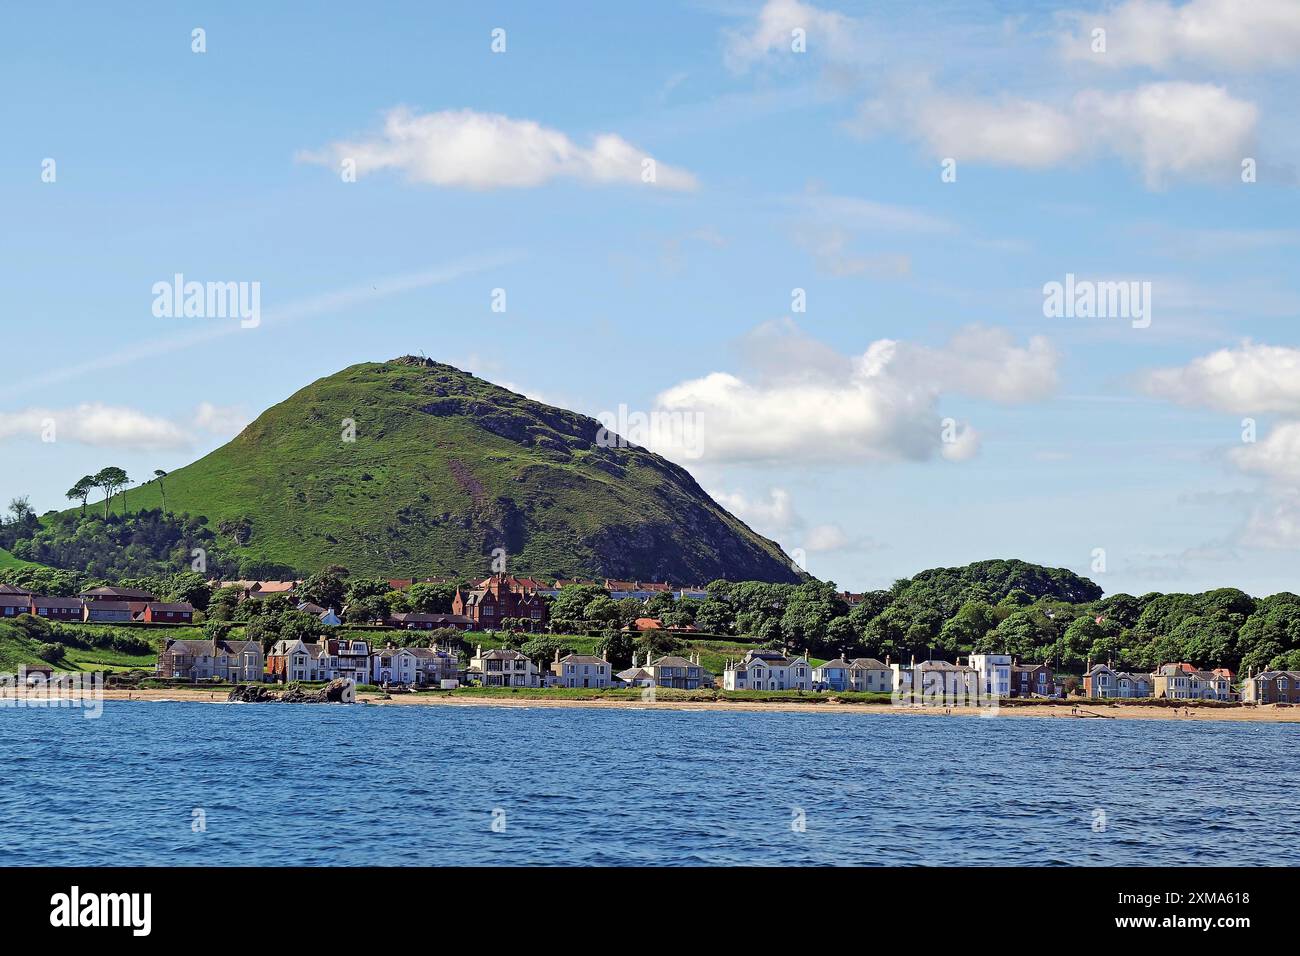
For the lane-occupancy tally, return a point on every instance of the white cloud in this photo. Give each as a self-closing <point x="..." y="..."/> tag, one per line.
<point x="464" y="148"/>
<point x="104" y="426"/>
<point x="826" y="537"/>
<point x="808" y="402"/>
<point x="1167" y="130"/>
<point x="830" y="250"/>
<point x="110" y="426"/>
<point x="1250" y="379"/>
<point x="221" y="419"/>
<point x="856" y="212"/>
<point x="826" y="32"/>
<point x="964" y="446"/>
<point x="1236" y="34"/>
<point x="1277" y="456"/>
<point x="773" y="516"/>
<point x="1172" y="129"/>
<point x="1274" y="523"/>
<point x="776" y="517"/>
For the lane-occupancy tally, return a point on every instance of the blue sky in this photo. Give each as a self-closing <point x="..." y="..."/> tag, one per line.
<point x="776" y="170"/>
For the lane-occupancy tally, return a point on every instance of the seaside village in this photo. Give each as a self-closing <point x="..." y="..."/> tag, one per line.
<point x="502" y="597"/>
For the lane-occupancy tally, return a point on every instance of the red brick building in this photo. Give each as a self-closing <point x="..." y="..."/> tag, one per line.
<point x="497" y="598"/>
<point x="56" y="608"/>
<point x="158" y="613"/>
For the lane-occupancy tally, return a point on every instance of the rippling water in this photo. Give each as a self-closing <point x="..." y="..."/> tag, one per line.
<point x="302" y="784"/>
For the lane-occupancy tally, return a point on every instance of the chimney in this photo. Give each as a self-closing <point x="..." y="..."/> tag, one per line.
<point x="557" y="655"/>
<point x="478" y="651"/>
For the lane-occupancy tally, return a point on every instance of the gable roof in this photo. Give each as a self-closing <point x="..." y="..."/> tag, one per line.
<point x="95" y="607"/>
<point x="502" y="654"/>
<point x="41" y="600"/>
<point x="581" y="659"/>
<point x="123" y="593"/>
<point x="671" y="660"/>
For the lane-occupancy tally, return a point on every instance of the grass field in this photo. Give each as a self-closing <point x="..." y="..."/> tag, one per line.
<point x="106" y="659"/>
<point x="7" y="560"/>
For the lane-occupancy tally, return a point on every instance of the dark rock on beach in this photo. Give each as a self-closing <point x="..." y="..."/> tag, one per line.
<point x="337" y="691"/>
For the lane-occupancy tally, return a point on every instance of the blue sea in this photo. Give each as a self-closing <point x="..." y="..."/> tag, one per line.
<point x="201" y="784"/>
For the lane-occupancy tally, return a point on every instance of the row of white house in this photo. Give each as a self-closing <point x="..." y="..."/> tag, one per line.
<point x="985" y="674"/>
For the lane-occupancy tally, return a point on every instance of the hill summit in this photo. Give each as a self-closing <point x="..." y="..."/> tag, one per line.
<point x="411" y="467"/>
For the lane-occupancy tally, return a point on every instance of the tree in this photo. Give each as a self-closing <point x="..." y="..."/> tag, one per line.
<point x="715" y="617"/>
<point x="189" y="587"/>
<point x="617" y="647"/>
<point x="21" y="509"/>
<point x="325" y="589"/>
<point x="363" y="588"/>
<point x="110" y="480"/>
<point x="1209" y="640"/>
<point x="367" y="609"/>
<point x="541" y="650"/>
<point x="967" y="626"/>
<point x="81" y="492"/>
<point x="602" y="610"/>
<point x="1272" y="631"/>
<point x="657" y="643"/>
<point x="629" y="609"/>
<point x="573" y="599"/>
<point x="808" y="614"/>
<point x="160" y="475"/>
<point x="431" y="598"/>
<point x="659" y="602"/>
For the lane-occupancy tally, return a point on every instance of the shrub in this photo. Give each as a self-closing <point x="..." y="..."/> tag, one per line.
<point x="50" y="653"/>
<point x="31" y="626"/>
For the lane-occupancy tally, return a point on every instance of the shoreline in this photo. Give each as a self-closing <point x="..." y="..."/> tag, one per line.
<point x="1265" y="713"/>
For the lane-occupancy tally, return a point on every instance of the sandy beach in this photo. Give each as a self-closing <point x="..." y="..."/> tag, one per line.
<point x="1067" y="711"/>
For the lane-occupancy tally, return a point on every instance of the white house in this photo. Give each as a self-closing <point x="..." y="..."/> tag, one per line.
<point x="503" y="668"/>
<point x="395" y="665"/>
<point x="414" y="666"/>
<point x="768" y="670"/>
<point x="994" y="673"/>
<point x="342" y="657"/>
<point x="636" y="676"/>
<point x="325" y="615"/>
<point x="830" y="675"/>
<point x="937" y="682"/>
<point x="868" y="674"/>
<point x="581" y="670"/>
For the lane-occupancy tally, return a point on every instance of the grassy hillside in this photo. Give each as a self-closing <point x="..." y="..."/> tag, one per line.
<point x="7" y="560"/>
<point x="444" y="468"/>
<point x="17" y="648"/>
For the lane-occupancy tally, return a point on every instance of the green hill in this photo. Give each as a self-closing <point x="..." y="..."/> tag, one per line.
<point x="7" y="560"/>
<point x="446" y="467"/>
